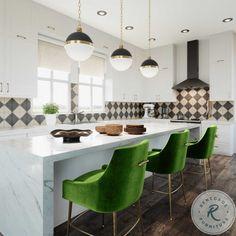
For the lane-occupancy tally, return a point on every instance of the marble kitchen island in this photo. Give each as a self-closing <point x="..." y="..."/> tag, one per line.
<point x="33" y="168"/>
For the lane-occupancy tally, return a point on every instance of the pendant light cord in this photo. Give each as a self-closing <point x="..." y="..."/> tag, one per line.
<point x="121" y="23"/>
<point x="79" y="28"/>
<point x="149" y="28"/>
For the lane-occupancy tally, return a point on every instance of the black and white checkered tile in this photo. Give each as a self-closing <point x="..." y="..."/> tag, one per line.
<point x="17" y="112"/>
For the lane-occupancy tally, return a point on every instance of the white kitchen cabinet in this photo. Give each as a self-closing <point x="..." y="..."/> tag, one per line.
<point x="159" y="88"/>
<point x="224" y="143"/>
<point x="19" y="19"/>
<point x="221" y="71"/>
<point x="52" y="23"/>
<point x="18" y="45"/>
<point x="2" y="16"/>
<point x="21" y="70"/>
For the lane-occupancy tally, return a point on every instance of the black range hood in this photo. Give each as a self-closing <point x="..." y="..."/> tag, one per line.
<point x="192" y="81"/>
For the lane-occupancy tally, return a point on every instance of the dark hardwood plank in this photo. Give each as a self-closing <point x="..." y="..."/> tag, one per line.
<point x="155" y="206"/>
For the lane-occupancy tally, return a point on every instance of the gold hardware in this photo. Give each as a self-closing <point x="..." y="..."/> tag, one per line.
<point x="51" y="27"/>
<point x="143" y="163"/>
<point x="121" y="56"/>
<point x="8" y="87"/>
<point x="21" y="36"/>
<point x="79" y="41"/>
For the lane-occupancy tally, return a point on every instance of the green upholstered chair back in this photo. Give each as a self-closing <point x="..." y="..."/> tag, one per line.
<point x="172" y="158"/>
<point x="123" y="180"/>
<point x="205" y="147"/>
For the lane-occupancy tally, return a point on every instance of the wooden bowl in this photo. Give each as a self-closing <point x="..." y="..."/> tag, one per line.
<point x="72" y="135"/>
<point x="135" y="131"/>
<point x="101" y="129"/>
<point x="114" y="129"/>
<point x="135" y="126"/>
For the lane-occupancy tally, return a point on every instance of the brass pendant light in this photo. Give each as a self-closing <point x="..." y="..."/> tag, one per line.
<point x="149" y="68"/>
<point x="79" y="45"/>
<point x="121" y="58"/>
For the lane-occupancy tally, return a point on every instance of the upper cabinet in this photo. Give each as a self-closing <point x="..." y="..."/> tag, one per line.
<point x="159" y="88"/>
<point x="19" y="47"/>
<point x="222" y="65"/>
<point x="51" y="23"/>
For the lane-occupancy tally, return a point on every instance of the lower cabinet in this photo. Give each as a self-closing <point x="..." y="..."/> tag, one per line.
<point x="224" y="143"/>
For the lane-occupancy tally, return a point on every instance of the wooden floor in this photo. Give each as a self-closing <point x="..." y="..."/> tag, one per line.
<point x="155" y="206"/>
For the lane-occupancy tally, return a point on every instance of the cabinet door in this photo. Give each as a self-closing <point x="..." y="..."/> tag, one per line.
<point x="53" y="24"/>
<point x="220" y="81"/>
<point x="2" y="63"/>
<point x="21" y="70"/>
<point x="221" y="66"/>
<point x="19" y="18"/>
<point x="2" y="16"/>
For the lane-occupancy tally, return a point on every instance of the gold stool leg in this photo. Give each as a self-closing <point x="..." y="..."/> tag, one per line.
<point x="153" y="179"/>
<point x="103" y="220"/>
<point x="169" y="193"/>
<point x="114" y="218"/>
<point x="140" y="217"/>
<point x="69" y="219"/>
<point x="209" y="164"/>
<point x="205" y="173"/>
<point x="182" y="181"/>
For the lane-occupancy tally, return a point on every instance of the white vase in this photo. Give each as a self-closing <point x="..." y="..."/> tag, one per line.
<point x="51" y="119"/>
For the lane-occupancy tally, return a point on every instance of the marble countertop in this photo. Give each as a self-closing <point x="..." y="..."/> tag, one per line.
<point x="48" y="147"/>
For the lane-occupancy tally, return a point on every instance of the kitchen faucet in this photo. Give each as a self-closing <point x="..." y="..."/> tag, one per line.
<point x="76" y="120"/>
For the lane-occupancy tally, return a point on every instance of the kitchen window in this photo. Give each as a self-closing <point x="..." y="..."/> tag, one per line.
<point x="91" y="85"/>
<point x="53" y="77"/>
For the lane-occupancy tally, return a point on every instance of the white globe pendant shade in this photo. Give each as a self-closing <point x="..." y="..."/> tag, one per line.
<point x="149" y="68"/>
<point x="121" y="59"/>
<point x="79" y="46"/>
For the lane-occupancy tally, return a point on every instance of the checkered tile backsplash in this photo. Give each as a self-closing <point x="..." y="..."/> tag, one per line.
<point x="17" y="112"/>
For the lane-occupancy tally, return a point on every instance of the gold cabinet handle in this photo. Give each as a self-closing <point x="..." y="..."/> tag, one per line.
<point x="20" y="36"/>
<point x="51" y="27"/>
<point x="143" y="163"/>
<point x="8" y="88"/>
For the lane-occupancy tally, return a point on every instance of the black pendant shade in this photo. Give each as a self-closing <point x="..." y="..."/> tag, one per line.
<point x="79" y="36"/>
<point x="121" y="53"/>
<point x="149" y="63"/>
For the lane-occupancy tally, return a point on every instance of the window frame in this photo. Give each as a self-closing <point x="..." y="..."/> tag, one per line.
<point x="52" y="80"/>
<point x="91" y="86"/>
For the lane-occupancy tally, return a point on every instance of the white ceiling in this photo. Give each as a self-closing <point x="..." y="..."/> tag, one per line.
<point x="169" y="17"/>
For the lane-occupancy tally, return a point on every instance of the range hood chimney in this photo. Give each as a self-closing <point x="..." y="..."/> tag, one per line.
<point x="192" y="81"/>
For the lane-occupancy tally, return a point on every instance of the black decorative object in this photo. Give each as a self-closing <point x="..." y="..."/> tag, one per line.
<point x="72" y="135"/>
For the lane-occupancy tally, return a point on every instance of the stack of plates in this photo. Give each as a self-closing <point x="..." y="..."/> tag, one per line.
<point x="135" y="129"/>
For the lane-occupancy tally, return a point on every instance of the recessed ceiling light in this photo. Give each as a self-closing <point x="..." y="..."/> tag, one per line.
<point x="184" y="31"/>
<point x="129" y="27"/>
<point x="226" y="20"/>
<point x="101" y="13"/>
<point x="152" y="39"/>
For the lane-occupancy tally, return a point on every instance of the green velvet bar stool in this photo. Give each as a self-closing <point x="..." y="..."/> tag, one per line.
<point x="110" y="189"/>
<point x="170" y="160"/>
<point x="203" y="150"/>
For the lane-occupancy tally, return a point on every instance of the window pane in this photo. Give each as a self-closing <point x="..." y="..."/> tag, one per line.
<point x="44" y="90"/>
<point x="98" y="80"/>
<point x="44" y="73"/>
<point x="97" y="98"/>
<point x="61" y="96"/>
<point x="84" y="79"/>
<point x="85" y="97"/>
<point x="61" y="75"/>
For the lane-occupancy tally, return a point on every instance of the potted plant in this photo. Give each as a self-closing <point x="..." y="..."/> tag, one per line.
<point x="50" y="110"/>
